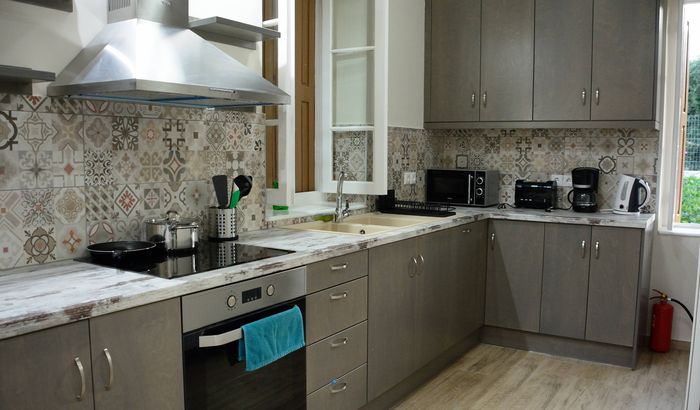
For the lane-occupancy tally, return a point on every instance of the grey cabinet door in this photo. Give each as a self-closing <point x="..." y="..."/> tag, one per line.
<point x="563" y="60"/>
<point x="391" y="321"/>
<point x="565" y="280"/>
<point x="612" y="286"/>
<point x="466" y="275"/>
<point x="145" y="346"/>
<point x="454" y="60"/>
<point x="507" y="53"/>
<point x="39" y="371"/>
<point x="514" y="275"/>
<point x="432" y="307"/>
<point x="624" y="51"/>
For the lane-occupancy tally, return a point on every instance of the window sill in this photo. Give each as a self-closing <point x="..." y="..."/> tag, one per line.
<point x="688" y="230"/>
<point x="306" y="210"/>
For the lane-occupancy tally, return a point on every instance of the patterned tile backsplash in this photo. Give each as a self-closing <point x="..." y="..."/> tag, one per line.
<point x="79" y="172"/>
<point x="525" y="154"/>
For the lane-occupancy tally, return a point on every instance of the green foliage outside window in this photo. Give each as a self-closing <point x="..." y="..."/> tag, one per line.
<point x="690" y="209"/>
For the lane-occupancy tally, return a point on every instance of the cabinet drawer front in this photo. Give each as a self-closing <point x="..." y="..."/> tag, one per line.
<point x="335" y="309"/>
<point x="331" y="272"/>
<point x="348" y="393"/>
<point x="335" y="356"/>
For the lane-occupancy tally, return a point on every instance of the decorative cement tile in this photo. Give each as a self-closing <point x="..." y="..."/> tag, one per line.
<point x="101" y="231"/>
<point x="11" y="211"/>
<point x="99" y="201"/>
<point x="71" y="240"/>
<point x="69" y="205"/>
<point x="125" y="134"/>
<point x="126" y="166"/>
<point x="11" y="245"/>
<point x="98" y="133"/>
<point x="37" y="207"/>
<point x="39" y="245"/>
<point x="128" y="200"/>
<point x="68" y="167"/>
<point x="98" y="168"/>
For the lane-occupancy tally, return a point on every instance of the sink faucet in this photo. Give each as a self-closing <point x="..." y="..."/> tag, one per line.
<point x="341" y="213"/>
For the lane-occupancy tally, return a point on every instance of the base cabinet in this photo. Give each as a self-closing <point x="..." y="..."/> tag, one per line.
<point x="134" y="358"/>
<point x="425" y="295"/>
<point x="514" y="275"/>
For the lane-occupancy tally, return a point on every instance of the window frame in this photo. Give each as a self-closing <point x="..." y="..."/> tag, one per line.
<point x="673" y="91"/>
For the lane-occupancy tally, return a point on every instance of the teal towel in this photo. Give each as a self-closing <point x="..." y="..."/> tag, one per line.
<point x="271" y="338"/>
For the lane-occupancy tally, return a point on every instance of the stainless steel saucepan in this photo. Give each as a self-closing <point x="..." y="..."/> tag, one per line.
<point x="172" y="232"/>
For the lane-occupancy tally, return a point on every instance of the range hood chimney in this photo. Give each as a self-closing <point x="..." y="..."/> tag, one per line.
<point x="147" y="55"/>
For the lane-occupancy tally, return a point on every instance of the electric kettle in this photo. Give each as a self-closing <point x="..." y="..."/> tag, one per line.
<point x="629" y="194"/>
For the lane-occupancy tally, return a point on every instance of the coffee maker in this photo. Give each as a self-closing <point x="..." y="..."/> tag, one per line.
<point x="585" y="192"/>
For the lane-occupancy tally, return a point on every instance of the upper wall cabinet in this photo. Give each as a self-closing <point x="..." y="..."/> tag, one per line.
<point x="542" y="63"/>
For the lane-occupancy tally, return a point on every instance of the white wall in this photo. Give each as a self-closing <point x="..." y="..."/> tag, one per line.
<point x="674" y="270"/>
<point x="46" y="39"/>
<point x="406" y="61"/>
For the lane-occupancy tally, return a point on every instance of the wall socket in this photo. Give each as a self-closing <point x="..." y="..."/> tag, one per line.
<point x="562" y="180"/>
<point x="409" y="178"/>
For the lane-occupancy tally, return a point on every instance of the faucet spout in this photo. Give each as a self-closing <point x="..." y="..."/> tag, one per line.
<point x="341" y="213"/>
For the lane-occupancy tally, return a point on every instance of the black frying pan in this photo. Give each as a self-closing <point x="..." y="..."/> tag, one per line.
<point x="122" y="253"/>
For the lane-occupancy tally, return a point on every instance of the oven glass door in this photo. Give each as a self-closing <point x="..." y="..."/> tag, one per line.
<point x="450" y="186"/>
<point x="215" y="379"/>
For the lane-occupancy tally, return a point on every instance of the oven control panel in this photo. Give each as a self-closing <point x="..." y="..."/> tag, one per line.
<point x="226" y="302"/>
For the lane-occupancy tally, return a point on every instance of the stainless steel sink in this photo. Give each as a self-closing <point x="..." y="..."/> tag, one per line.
<point x="364" y="224"/>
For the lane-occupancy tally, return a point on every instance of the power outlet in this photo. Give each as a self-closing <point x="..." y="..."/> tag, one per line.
<point x="409" y="178"/>
<point x="562" y="180"/>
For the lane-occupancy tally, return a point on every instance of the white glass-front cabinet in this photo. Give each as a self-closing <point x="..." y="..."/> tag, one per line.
<point x="352" y="100"/>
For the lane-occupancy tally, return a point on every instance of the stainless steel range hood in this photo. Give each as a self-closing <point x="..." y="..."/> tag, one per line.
<point x="146" y="55"/>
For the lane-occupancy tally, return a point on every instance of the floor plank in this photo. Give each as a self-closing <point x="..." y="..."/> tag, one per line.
<point x="494" y="377"/>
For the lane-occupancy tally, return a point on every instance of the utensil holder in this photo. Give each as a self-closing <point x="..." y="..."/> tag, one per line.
<point x="223" y="253"/>
<point x="223" y="223"/>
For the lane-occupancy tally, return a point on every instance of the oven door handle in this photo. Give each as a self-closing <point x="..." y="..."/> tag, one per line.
<point x="221" y="339"/>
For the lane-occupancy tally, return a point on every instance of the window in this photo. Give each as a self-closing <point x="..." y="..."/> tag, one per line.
<point x="687" y="209"/>
<point x="679" y="169"/>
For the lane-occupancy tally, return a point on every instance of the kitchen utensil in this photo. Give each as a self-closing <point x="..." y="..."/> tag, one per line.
<point x="244" y="183"/>
<point x="221" y="188"/>
<point x="122" y="253"/>
<point x="585" y="192"/>
<point x="628" y="198"/>
<point x="222" y="223"/>
<point x="172" y="232"/>
<point x="235" y="197"/>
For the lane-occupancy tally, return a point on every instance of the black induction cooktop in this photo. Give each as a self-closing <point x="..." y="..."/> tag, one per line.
<point x="208" y="255"/>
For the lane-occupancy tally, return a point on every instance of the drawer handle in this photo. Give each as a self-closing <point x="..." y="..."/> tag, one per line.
<point x="583" y="249"/>
<point x="422" y="264"/>
<point x="466" y="231"/>
<point x="340" y="389"/>
<point x="342" y="266"/>
<point x="597" y="250"/>
<point x="81" y="370"/>
<point x="339" y="343"/>
<point x="338" y="296"/>
<point x="111" y="369"/>
<point x="493" y="240"/>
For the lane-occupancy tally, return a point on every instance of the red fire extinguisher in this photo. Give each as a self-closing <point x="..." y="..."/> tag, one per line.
<point x="662" y="321"/>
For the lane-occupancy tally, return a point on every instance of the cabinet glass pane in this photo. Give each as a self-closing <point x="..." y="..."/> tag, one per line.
<point x="353" y="23"/>
<point x="353" y="87"/>
<point x="352" y="153"/>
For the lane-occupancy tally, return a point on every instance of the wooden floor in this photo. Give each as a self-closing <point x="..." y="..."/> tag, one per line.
<point x="492" y="377"/>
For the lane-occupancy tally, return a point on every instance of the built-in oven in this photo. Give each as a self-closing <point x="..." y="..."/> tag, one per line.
<point x="212" y="321"/>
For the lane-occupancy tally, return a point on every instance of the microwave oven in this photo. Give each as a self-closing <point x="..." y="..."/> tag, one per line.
<point x="462" y="187"/>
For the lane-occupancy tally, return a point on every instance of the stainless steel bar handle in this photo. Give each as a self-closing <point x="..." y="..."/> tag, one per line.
<point x="415" y="267"/>
<point x="597" y="249"/>
<point x="110" y="364"/>
<point x="81" y="370"/>
<point x="597" y="96"/>
<point x="583" y="96"/>
<point x="493" y="240"/>
<point x="342" y="388"/>
<point x="220" y="339"/>
<point x="422" y="264"/>
<point x="473" y="99"/>
<point x="583" y="249"/>
<point x="469" y="189"/>
<point x="341" y="342"/>
<point x="338" y="296"/>
<point x="484" y="98"/>
<point x="339" y="267"/>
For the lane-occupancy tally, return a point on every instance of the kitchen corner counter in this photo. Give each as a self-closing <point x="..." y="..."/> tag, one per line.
<point x="40" y="297"/>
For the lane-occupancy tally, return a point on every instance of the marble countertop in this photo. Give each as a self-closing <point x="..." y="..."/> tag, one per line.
<point x="40" y="297"/>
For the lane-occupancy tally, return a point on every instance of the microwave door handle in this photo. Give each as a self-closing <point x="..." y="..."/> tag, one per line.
<point x="220" y="339"/>
<point x="469" y="189"/>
